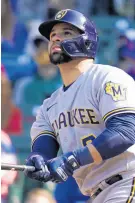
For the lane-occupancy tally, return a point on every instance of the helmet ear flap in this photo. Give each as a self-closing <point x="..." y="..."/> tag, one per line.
<point x="80" y="46"/>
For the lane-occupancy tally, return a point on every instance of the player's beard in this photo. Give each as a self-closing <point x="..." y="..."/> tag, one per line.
<point x="59" y="58"/>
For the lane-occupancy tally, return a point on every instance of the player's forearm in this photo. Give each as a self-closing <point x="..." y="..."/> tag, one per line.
<point x="110" y="145"/>
<point x="116" y="138"/>
<point x="46" y="146"/>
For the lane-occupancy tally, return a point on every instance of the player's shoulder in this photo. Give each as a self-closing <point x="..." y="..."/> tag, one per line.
<point x="52" y="99"/>
<point x="106" y="69"/>
<point x="102" y="71"/>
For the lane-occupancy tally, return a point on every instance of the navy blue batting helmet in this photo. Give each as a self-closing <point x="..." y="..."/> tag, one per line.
<point x="85" y="44"/>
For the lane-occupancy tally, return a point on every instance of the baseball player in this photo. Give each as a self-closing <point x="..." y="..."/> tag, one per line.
<point x="91" y="118"/>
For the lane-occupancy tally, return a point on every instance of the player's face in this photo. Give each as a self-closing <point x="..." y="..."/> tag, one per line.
<point x="59" y="33"/>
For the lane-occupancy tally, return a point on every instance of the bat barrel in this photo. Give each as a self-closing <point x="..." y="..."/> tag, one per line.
<point x="13" y="167"/>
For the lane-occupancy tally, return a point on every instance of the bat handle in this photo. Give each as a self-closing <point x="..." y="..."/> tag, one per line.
<point x="14" y="167"/>
<point x="29" y="168"/>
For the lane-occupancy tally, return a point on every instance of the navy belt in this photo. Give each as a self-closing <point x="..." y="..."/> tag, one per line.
<point x="109" y="181"/>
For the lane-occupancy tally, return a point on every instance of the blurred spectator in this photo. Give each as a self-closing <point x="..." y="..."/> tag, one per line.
<point x="32" y="10"/>
<point x="86" y="8"/>
<point x="10" y="115"/>
<point x="7" y="156"/>
<point x="119" y="40"/>
<point x="121" y="26"/>
<point x="45" y="81"/>
<point x="11" y="41"/>
<point x="6" y="103"/>
<point x="56" y="5"/>
<point x="130" y="34"/>
<point x="34" y="35"/>
<point x="29" y="92"/>
<point x="6" y="19"/>
<point x="22" y="65"/>
<point x="99" y="7"/>
<point x="60" y="4"/>
<point x="19" y="66"/>
<point x="127" y="53"/>
<point x="125" y="8"/>
<point x="39" y="196"/>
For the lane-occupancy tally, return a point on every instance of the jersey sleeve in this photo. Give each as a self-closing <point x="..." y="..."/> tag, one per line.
<point x="116" y="94"/>
<point x="42" y="126"/>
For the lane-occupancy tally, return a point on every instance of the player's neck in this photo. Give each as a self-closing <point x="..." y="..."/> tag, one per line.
<point x="72" y="70"/>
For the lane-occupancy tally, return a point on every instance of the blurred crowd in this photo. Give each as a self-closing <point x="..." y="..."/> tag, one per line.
<point x="27" y="78"/>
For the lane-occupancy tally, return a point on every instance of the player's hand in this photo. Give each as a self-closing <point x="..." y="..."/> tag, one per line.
<point x="41" y="173"/>
<point x="63" y="166"/>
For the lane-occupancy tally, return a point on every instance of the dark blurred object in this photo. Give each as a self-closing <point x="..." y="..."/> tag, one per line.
<point x="52" y="12"/>
<point x="37" y="42"/>
<point x="131" y="72"/>
<point x="13" y="4"/>
<point x="128" y="51"/>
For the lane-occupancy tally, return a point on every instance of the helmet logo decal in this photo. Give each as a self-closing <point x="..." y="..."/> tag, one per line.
<point x="60" y="14"/>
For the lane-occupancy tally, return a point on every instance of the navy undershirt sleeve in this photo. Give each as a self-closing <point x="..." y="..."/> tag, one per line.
<point x="118" y="136"/>
<point x="47" y="146"/>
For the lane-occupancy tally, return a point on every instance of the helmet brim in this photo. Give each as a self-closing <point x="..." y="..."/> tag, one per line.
<point x="46" y="27"/>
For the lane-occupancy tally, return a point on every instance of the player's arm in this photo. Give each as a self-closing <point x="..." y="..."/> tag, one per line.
<point x="118" y="136"/>
<point x="44" y="147"/>
<point x="44" y="140"/>
<point x="116" y="103"/>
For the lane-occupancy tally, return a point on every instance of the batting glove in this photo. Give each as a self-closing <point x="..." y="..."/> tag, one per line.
<point x="41" y="172"/>
<point x="62" y="167"/>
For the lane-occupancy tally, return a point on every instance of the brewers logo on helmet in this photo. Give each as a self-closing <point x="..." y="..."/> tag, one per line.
<point x="60" y="14"/>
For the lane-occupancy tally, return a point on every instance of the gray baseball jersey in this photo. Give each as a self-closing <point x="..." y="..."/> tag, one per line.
<point x="77" y="116"/>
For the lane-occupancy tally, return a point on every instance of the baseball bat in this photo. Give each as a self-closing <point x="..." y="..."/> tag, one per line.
<point x="14" y="167"/>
